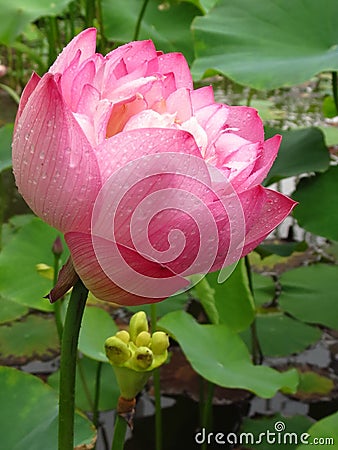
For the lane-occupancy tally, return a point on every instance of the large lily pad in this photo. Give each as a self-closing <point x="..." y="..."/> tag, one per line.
<point x="324" y="432"/>
<point x="97" y="326"/>
<point x="204" y="5"/>
<point x="167" y="24"/>
<point x="19" y="279"/>
<point x="11" y="310"/>
<point x="310" y="294"/>
<point x="267" y="44"/>
<point x="264" y="289"/>
<point x="313" y="385"/>
<point x="29" y="414"/>
<point x="317" y="211"/>
<point x="20" y="13"/>
<point x="33" y="337"/>
<point x="219" y="355"/>
<point x="272" y="330"/>
<point x="295" y="144"/>
<point x="85" y="385"/>
<point x="233" y="299"/>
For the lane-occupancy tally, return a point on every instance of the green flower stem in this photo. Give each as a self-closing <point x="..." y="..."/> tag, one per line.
<point x="256" y="348"/>
<point x="2" y="206"/>
<point x="70" y="339"/>
<point x="335" y="89"/>
<point x="97" y="394"/>
<point x="157" y="388"/>
<point x="58" y="304"/>
<point x="207" y="409"/>
<point x="139" y="20"/>
<point x="82" y="378"/>
<point x="72" y="8"/>
<point x="90" y="13"/>
<point x="53" y="39"/>
<point x="102" y="44"/>
<point x="119" y="433"/>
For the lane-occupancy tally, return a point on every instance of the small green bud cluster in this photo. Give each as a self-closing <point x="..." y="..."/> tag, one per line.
<point x="134" y="354"/>
<point x="137" y="349"/>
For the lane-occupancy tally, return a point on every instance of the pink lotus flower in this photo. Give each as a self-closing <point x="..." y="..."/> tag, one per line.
<point x="149" y="180"/>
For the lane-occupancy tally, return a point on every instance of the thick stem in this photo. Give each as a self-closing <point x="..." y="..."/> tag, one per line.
<point x="119" y="433"/>
<point x="157" y="388"/>
<point x="70" y="339"/>
<point x="139" y="20"/>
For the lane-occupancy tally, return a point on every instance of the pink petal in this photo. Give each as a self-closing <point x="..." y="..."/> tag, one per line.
<point x="241" y="165"/>
<point x="84" y="76"/>
<point x="202" y="97"/>
<point x="176" y="63"/>
<point x="88" y="100"/>
<point x="253" y="215"/>
<point x="67" y="78"/>
<point x="103" y="287"/>
<point x="264" y="210"/>
<point x="54" y="165"/>
<point x="133" y="54"/>
<point x="121" y="113"/>
<point x="130" y="89"/>
<point x="28" y="90"/>
<point x="264" y="162"/>
<point x="179" y="103"/>
<point x="247" y="122"/>
<point x="125" y="147"/>
<point x="85" y="42"/>
<point x="214" y="119"/>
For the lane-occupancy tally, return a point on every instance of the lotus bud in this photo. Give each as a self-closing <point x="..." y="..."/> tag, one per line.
<point x="142" y="359"/>
<point x="117" y="351"/>
<point x="57" y="247"/>
<point x="137" y="324"/>
<point x="159" y="342"/>
<point x="143" y="339"/>
<point x="123" y="335"/>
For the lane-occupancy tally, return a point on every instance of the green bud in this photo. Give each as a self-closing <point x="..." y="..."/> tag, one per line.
<point x="137" y="324"/>
<point x="123" y="335"/>
<point x="142" y="358"/>
<point x="143" y="339"/>
<point x="159" y="342"/>
<point x="117" y="351"/>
